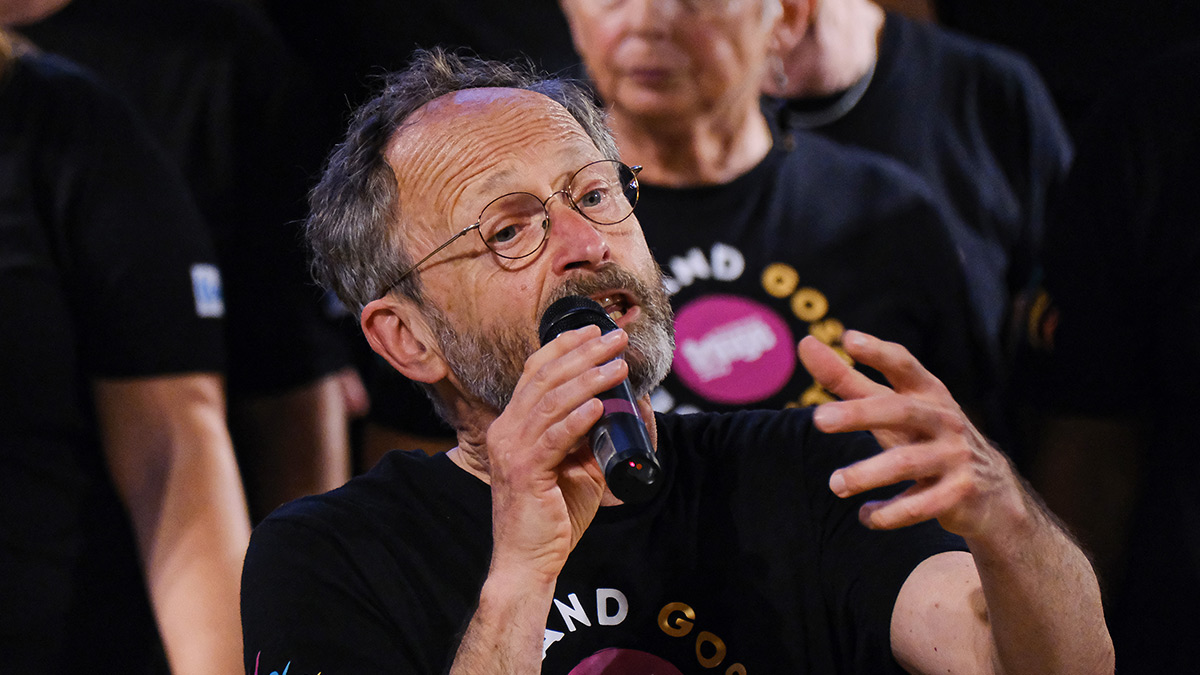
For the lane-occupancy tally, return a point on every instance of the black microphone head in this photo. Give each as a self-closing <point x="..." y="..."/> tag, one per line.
<point x="571" y="312"/>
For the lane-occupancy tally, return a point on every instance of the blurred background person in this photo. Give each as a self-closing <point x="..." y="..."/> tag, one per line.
<point x="1114" y="364"/>
<point x="220" y="92"/>
<point x="765" y="241"/>
<point x="1081" y="47"/>
<point x="973" y="119"/>
<point x="122" y="519"/>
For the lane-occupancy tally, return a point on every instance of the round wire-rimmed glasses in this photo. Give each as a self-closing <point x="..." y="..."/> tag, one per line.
<point x="516" y="225"/>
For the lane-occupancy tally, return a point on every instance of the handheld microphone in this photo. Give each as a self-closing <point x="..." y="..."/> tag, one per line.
<point x="619" y="439"/>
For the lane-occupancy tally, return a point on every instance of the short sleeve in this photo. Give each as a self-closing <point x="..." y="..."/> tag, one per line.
<point x="137" y="263"/>
<point x="862" y="570"/>
<point x="304" y="608"/>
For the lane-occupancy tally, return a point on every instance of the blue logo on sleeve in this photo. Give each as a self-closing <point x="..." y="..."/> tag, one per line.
<point x="206" y="289"/>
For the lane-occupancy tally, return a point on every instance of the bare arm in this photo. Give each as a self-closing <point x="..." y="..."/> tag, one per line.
<point x="546" y="488"/>
<point x="1025" y="600"/>
<point x="295" y="443"/>
<point x="169" y="453"/>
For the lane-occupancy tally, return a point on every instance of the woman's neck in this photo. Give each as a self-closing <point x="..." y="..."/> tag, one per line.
<point x="698" y="151"/>
<point x="841" y="45"/>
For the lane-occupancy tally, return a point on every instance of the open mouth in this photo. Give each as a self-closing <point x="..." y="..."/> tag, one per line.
<point x="615" y="304"/>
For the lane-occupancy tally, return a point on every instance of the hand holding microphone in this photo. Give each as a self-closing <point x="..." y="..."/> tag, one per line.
<point x="619" y="440"/>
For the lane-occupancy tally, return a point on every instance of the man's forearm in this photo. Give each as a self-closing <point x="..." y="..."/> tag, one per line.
<point x="507" y="631"/>
<point x="1043" y="599"/>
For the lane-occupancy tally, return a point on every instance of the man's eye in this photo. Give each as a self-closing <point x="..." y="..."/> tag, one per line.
<point x="505" y="234"/>
<point x="592" y="198"/>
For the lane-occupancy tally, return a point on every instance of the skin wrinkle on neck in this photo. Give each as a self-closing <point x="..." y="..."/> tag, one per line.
<point x="704" y="151"/>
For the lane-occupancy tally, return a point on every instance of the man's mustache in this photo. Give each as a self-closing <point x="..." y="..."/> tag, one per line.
<point x="612" y="277"/>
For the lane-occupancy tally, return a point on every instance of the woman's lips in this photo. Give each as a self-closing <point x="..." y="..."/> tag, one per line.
<point x="650" y="76"/>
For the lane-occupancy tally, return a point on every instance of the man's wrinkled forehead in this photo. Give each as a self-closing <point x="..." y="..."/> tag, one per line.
<point x="474" y="135"/>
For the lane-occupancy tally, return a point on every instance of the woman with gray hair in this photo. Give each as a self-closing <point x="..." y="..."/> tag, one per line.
<point x="766" y="238"/>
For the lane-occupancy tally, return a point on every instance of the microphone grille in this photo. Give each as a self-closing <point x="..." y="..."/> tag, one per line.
<point x="571" y="312"/>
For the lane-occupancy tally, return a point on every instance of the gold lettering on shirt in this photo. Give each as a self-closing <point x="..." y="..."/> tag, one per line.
<point x="677" y="620"/>
<point x="810" y="305"/>
<point x="707" y="638"/>
<point x="828" y="331"/>
<point x="780" y="280"/>
<point x="672" y="625"/>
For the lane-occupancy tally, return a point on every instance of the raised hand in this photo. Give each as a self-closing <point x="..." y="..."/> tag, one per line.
<point x="959" y="477"/>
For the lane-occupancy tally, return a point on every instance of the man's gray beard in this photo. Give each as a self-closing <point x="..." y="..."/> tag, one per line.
<point x="489" y="366"/>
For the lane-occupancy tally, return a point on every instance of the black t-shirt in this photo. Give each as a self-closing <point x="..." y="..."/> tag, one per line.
<point x="1081" y="47"/>
<point x="1122" y="253"/>
<point x="746" y="557"/>
<point x="1118" y="337"/>
<point x="106" y="271"/>
<point x="977" y="123"/>
<point x="220" y="92"/>
<point x="815" y="239"/>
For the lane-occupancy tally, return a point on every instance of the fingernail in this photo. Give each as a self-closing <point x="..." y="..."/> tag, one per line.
<point x="612" y="337"/>
<point x="827" y="416"/>
<point x="837" y="483"/>
<point x="853" y="339"/>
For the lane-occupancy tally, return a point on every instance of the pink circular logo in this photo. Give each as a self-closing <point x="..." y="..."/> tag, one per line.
<point x="732" y="350"/>
<point x="615" y="661"/>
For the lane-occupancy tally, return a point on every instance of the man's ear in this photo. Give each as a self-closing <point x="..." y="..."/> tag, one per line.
<point x="397" y="330"/>
<point x="792" y="26"/>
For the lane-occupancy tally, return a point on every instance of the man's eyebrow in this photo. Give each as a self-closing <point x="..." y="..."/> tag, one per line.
<point x="498" y="180"/>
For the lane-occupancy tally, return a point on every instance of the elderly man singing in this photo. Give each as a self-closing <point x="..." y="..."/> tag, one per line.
<point x="880" y="533"/>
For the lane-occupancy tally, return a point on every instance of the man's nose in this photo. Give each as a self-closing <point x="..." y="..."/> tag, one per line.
<point x="574" y="241"/>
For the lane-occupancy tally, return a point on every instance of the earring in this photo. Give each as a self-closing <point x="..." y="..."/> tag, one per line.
<point x="779" y="75"/>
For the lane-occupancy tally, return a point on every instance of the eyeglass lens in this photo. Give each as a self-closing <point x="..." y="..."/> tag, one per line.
<point x="515" y="225"/>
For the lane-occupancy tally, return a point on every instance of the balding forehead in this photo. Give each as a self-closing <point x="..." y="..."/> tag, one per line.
<point x="488" y="95"/>
<point x="476" y="139"/>
<point x="450" y="115"/>
<point x="481" y="99"/>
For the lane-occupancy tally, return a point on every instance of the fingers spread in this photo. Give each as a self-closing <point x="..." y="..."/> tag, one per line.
<point x="830" y="371"/>
<point x="924" y="500"/>
<point x="903" y="463"/>
<point x="906" y="418"/>
<point x="897" y="364"/>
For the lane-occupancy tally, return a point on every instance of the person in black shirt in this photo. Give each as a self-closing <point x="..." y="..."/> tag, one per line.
<point x="767" y="239"/>
<point x="973" y="119"/>
<point x="1081" y="47"/>
<point x="220" y="93"/>
<point x="1114" y="361"/>
<point x="509" y="555"/>
<point x="122" y="519"/>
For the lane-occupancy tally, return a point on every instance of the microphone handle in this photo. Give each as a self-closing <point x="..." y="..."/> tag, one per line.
<point x="620" y="444"/>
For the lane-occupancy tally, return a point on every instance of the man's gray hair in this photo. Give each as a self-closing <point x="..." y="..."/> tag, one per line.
<point x="355" y="221"/>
